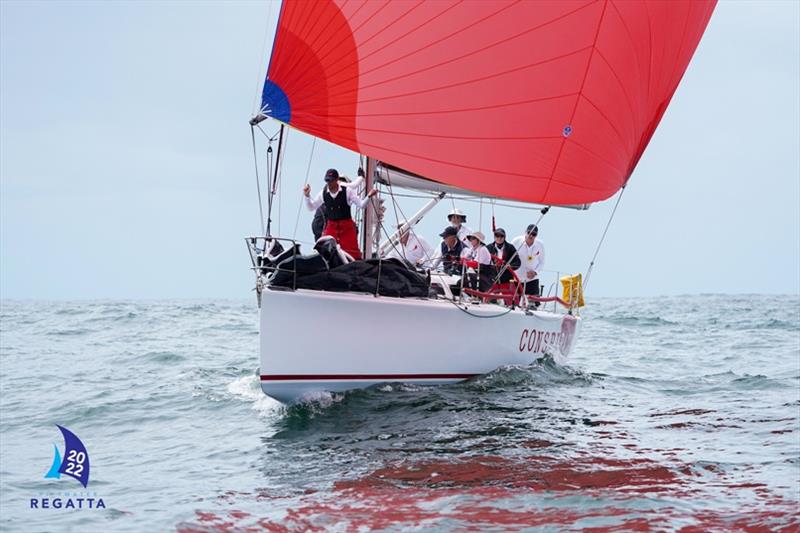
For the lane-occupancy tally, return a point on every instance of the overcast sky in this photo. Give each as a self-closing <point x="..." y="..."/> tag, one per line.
<point x="126" y="165"/>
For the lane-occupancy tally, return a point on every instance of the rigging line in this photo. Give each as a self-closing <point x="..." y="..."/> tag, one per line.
<point x="361" y="167"/>
<point x="394" y="206"/>
<point x="480" y="215"/>
<point x="409" y="229"/>
<point x="279" y="169"/>
<point x="464" y="199"/>
<point x="274" y="184"/>
<point x="430" y="259"/>
<point x="507" y="264"/>
<point x="463" y="309"/>
<point x="260" y="63"/>
<point x="308" y="171"/>
<point x="602" y="238"/>
<point x="266" y="135"/>
<point x="258" y="181"/>
<point x="270" y="188"/>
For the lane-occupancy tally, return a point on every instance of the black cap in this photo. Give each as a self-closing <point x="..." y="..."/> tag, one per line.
<point x="449" y="231"/>
<point x="331" y="175"/>
<point x="501" y="232"/>
<point x="532" y="230"/>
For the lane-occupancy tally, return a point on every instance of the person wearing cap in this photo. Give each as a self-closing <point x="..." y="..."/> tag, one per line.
<point x="412" y="248"/>
<point x="531" y="256"/>
<point x="506" y="253"/>
<point x="449" y="252"/>
<point x="479" y="255"/>
<point x="457" y="219"/>
<point x="337" y="201"/>
<point x="320" y="218"/>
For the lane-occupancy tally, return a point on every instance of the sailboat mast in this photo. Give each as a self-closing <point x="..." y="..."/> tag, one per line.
<point x="370" y="214"/>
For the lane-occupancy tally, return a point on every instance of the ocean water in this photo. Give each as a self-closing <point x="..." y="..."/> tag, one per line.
<point x="679" y="413"/>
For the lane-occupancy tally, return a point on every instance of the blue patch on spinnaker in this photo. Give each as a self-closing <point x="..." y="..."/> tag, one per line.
<point x="53" y="472"/>
<point x="275" y="103"/>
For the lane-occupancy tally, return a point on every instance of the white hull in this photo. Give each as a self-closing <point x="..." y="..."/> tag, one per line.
<point x="315" y="341"/>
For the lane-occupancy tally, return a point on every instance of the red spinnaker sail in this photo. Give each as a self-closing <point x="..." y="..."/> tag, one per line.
<point x="548" y="102"/>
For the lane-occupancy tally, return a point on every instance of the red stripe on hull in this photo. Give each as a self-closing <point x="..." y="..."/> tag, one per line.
<point x="372" y="377"/>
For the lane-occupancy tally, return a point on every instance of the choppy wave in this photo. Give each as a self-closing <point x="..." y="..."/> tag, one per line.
<point x="674" y="412"/>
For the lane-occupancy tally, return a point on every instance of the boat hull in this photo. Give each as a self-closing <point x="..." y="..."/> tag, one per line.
<point x="315" y="341"/>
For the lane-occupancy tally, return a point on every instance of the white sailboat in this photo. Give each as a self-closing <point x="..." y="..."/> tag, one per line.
<point x="543" y="103"/>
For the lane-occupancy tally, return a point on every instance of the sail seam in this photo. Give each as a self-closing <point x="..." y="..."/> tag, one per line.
<point x="464" y="109"/>
<point x="580" y="92"/>
<point x="301" y="73"/>
<point x="457" y="84"/>
<point x="608" y="120"/>
<point x="351" y="33"/>
<point x="440" y="64"/>
<point x="417" y="50"/>
<point x="634" y="115"/>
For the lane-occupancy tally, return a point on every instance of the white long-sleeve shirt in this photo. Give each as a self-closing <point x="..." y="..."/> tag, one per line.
<point x="416" y="251"/>
<point x="531" y="257"/>
<point x="480" y="254"/>
<point x="352" y="198"/>
<point x="463" y="231"/>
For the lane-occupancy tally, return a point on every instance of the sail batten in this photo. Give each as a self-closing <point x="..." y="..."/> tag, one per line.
<point x="549" y="102"/>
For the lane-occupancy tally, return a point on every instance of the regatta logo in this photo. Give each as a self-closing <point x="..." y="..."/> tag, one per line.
<point x="75" y="464"/>
<point x="76" y="459"/>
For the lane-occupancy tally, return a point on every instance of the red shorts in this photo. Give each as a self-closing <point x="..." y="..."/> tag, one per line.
<point x="344" y="231"/>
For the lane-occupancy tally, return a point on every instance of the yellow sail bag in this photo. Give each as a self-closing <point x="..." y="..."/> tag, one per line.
<point x="572" y="290"/>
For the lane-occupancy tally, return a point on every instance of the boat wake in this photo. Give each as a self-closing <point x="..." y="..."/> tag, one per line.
<point x="542" y="373"/>
<point x="247" y="388"/>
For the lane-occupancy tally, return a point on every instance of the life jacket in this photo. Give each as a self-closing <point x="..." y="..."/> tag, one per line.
<point x="496" y="250"/>
<point x="336" y="207"/>
<point x="450" y="257"/>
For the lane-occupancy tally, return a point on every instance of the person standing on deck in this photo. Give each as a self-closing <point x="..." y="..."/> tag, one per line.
<point x="320" y="218"/>
<point x="337" y="201"/>
<point x="457" y="219"/>
<point x="531" y="255"/>
<point x="506" y="252"/>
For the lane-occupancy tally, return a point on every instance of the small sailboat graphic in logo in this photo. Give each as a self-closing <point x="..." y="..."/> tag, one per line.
<point x="75" y="462"/>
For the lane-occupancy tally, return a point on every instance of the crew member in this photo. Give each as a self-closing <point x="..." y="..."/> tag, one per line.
<point x="531" y="255"/>
<point x="412" y="248"/>
<point x="457" y="220"/>
<point x="478" y="254"/>
<point x="320" y="218"/>
<point x="449" y="252"/>
<point x="505" y="253"/>
<point x="337" y="201"/>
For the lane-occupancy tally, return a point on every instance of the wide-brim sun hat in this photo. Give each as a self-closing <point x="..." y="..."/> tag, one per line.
<point x="458" y="212"/>
<point x="478" y="235"/>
